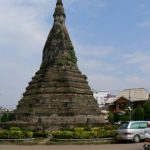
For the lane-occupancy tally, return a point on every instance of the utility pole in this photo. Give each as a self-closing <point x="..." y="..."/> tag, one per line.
<point x="130" y="108"/>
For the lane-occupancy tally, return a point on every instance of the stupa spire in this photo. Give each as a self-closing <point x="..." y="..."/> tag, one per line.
<point x="59" y="14"/>
<point x="58" y="50"/>
<point x="59" y="2"/>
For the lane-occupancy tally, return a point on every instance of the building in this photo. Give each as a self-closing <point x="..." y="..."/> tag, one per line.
<point x="59" y="93"/>
<point x="128" y="99"/>
<point x="101" y="97"/>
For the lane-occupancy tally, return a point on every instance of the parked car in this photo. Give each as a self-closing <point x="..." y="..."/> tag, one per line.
<point x="132" y="130"/>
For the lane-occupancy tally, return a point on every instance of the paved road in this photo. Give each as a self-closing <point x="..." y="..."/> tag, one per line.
<point x="76" y="147"/>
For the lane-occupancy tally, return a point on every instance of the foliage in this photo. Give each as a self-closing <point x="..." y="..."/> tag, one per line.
<point x="28" y="134"/>
<point x="138" y="113"/>
<point x="68" y="58"/>
<point x="73" y="56"/>
<point x="7" y="117"/>
<point x="116" y="117"/>
<point x="40" y="134"/>
<point x="146" y="108"/>
<point x="15" y="128"/>
<point x="15" y="133"/>
<point x="81" y="133"/>
<point x="4" y="134"/>
<point x="111" y="118"/>
<point x="62" y="134"/>
<point x="125" y="117"/>
<point x="111" y="133"/>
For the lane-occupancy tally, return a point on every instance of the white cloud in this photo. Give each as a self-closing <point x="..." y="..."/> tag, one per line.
<point x="114" y="84"/>
<point x="94" y="50"/>
<point x="146" y="67"/>
<point x="140" y="60"/>
<point x="136" y="58"/>
<point x="96" y="66"/>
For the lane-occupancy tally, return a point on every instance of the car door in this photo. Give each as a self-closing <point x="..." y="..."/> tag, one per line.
<point x="142" y="126"/>
<point x="138" y="129"/>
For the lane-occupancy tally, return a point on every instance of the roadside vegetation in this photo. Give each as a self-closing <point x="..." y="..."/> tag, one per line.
<point x="15" y="133"/>
<point x="108" y="131"/>
<point x="79" y="135"/>
<point x="139" y="113"/>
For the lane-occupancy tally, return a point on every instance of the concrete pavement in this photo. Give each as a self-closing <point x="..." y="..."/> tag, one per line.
<point x="75" y="147"/>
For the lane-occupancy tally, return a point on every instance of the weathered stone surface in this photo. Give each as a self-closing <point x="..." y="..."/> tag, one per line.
<point x="58" y="88"/>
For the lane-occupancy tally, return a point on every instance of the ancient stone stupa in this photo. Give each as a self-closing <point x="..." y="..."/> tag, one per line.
<point x="58" y="93"/>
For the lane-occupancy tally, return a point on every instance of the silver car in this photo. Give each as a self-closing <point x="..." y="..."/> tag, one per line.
<point x="132" y="130"/>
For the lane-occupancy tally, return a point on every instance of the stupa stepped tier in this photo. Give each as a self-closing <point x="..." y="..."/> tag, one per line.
<point x="58" y="93"/>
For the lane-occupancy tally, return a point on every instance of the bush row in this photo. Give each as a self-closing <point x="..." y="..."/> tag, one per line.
<point x="76" y="133"/>
<point x="15" y="134"/>
<point x="80" y="133"/>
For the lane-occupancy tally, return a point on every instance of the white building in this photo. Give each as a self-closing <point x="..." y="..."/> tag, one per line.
<point x="101" y="97"/>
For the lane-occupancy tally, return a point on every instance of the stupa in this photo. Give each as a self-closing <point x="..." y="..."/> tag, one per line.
<point x="58" y="93"/>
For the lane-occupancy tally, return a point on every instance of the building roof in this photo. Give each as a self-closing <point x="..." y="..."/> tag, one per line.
<point x="111" y="100"/>
<point x="135" y="94"/>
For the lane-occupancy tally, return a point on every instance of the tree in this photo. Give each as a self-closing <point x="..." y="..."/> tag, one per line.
<point x="147" y="110"/>
<point x="111" y="118"/>
<point x="125" y="117"/>
<point x="7" y="117"/>
<point x="138" y="113"/>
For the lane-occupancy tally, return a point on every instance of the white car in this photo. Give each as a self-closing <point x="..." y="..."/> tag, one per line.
<point x="132" y="130"/>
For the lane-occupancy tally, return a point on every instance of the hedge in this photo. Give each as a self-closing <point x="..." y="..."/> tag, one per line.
<point x="15" y="134"/>
<point x="40" y="134"/>
<point x="81" y="133"/>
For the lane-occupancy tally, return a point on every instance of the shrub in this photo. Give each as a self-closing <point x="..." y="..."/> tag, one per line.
<point x="73" y="134"/>
<point x="15" y="128"/>
<point x="95" y="129"/>
<point x="111" y="127"/>
<point x="4" y="134"/>
<point x="27" y="134"/>
<point x="89" y="134"/>
<point x="62" y="134"/>
<point x="108" y="127"/>
<point x="101" y="133"/>
<point x="78" y="134"/>
<point x="40" y="134"/>
<point x="15" y="134"/>
<point x="78" y="129"/>
<point x="81" y="133"/>
<point x="115" y="127"/>
<point x="111" y="133"/>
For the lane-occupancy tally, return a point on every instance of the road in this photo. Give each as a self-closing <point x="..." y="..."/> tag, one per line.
<point x="76" y="147"/>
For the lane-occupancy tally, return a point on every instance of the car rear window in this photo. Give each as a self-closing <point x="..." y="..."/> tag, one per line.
<point x="138" y="125"/>
<point x="143" y="124"/>
<point x="124" y="125"/>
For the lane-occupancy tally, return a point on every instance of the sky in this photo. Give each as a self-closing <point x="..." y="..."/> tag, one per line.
<point x="111" y="40"/>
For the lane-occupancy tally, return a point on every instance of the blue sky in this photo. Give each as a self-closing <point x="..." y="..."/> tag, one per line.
<point x="111" y="39"/>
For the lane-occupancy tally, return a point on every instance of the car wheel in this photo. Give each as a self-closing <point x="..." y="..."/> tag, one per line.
<point x="136" y="139"/>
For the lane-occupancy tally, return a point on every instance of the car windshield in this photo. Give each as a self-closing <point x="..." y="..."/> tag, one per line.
<point x="124" y="125"/>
